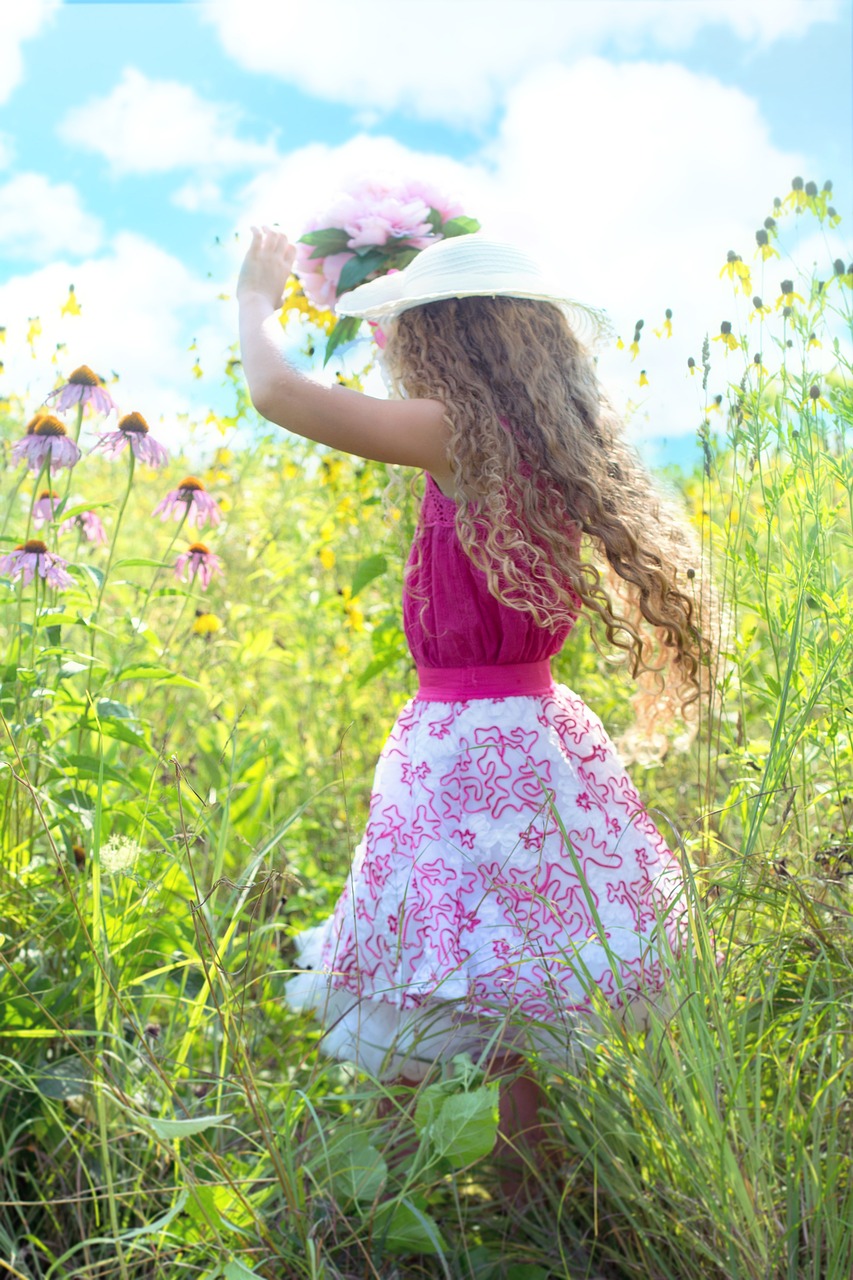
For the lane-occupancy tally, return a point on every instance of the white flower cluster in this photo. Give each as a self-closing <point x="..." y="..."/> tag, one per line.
<point x="118" y="854"/>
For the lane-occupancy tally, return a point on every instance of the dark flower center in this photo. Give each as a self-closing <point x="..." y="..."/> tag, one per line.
<point x="48" y="426"/>
<point x="725" y="327"/>
<point x="48" y="493"/>
<point x="133" y="422"/>
<point x="34" y="547"/>
<point x="199" y="549"/>
<point x="193" y="485"/>
<point x="787" y="286"/>
<point x="84" y="377"/>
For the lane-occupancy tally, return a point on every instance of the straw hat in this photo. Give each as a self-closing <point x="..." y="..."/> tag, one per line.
<point x="467" y="266"/>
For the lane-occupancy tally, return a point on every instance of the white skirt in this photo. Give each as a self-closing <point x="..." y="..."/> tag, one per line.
<point x="508" y="881"/>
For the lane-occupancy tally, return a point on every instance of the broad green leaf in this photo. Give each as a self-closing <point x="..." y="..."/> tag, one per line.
<point x="155" y="671"/>
<point x="402" y="1227"/>
<point x="71" y="668"/>
<point x="327" y="241"/>
<point x="356" y="271"/>
<point x="68" y="1078"/>
<point x="92" y="571"/>
<point x="366" y="571"/>
<point x="460" y="226"/>
<point x="344" y="331"/>
<point x="466" y="1126"/>
<point x="237" y="1270"/>
<point x="107" y="707"/>
<point x="357" y="1170"/>
<point x="159" y="1224"/>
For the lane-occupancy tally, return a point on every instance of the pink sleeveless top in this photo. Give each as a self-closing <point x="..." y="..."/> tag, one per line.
<point x="450" y="617"/>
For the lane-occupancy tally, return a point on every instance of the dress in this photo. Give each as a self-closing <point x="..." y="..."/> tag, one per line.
<point x="508" y="873"/>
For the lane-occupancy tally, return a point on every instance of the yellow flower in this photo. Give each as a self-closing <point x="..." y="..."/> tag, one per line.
<point x="206" y="624"/>
<point x="642" y="381"/>
<point x="33" y="332"/>
<point x="71" y="307"/>
<point x="692" y="366"/>
<point x="666" y="327"/>
<point x="620" y="345"/>
<point x="295" y="300"/>
<point x="737" y="271"/>
<point x="289" y="471"/>
<point x="787" y="296"/>
<point x="757" y="366"/>
<point x="634" y="349"/>
<point x="725" y="335"/>
<point x="352" y="609"/>
<point x="796" y="197"/>
<point x="843" y="277"/>
<point x="814" y="341"/>
<point x="815" y="398"/>
<point x="327" y="557"/>
<point x="714" y="407"/>
<point x="759" y="309"/>
<point x="2" y="333"/>
<point x="765" y="248"/>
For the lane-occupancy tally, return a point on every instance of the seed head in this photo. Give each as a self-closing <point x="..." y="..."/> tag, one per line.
<point x="796" y="184"/>
<point x="190" y="482"/>
<point x="34" y="546"/>
<point x="84" y="377"/>
<point x="133" y="422"/>
<point x="811" y="189"/>
<point x="46" y="425"/>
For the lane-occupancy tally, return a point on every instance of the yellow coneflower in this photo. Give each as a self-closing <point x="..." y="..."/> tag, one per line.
<point x="70" y="307"/>
<point x="787" y="296"/>
<point x="726" y="336"/>
<point x="206" y="624"/>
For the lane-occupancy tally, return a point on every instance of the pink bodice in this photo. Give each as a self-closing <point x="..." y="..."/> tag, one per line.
<point x="450" y="617"/>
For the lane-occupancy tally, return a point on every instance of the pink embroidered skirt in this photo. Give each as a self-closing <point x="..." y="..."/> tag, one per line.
<point x="507" y="873"/>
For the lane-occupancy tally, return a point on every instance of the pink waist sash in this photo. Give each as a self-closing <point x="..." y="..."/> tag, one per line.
<point x="511" y="680"/>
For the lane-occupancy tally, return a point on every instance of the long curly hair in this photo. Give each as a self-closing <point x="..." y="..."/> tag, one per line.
<point x="545" y="482"/>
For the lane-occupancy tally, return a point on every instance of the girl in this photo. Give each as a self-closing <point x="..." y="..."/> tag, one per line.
<point x="509" y="876"/>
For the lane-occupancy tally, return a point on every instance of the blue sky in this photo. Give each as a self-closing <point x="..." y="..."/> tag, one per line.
<point x="630" y="142"/>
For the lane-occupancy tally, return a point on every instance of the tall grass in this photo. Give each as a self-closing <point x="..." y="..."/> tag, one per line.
<point x="183" y="776"/>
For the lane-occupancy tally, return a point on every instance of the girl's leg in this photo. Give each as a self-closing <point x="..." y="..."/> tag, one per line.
<point x="520" y="1148"/>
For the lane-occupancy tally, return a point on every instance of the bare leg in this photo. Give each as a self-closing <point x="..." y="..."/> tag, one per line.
<point x="520" y="1146"/>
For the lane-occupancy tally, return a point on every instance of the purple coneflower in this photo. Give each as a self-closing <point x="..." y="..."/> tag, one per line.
<point x="133" y="430"/>
<point x="91" y="525"/>
<point x="33" y="557"/>
<point x="44" y="507"/>
<point x="189" y="496"/>
<point x="83" y="387"/>
<point x="202" y="563"/>
<point x="46" y="438"/>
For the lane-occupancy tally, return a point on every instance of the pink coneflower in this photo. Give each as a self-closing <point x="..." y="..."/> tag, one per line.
<point x="202" y="563"/>
<point x="83" y="387"/>
<point x="189" y="499"/>
<point x="133" y="430"/>
<point x="91" y="525"/>
<point x="44" y="507"/>
<point x="46" y="438"/>
<point x="33" y="557"/>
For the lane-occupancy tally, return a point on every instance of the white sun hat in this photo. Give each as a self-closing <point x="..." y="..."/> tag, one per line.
<point x="468" y="266"/>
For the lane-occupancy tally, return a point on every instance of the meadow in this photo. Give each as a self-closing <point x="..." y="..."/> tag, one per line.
<point x="185" y="766"/>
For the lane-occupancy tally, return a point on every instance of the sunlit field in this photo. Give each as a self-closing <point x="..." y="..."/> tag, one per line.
<point x="187" y="743"/>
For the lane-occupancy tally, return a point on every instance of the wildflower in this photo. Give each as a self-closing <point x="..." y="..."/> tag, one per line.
<point x="202" y="563"/>
<point x="843" y="277"/>
<point x="635" y="345"/>
<point x="90" y="524"/>
<point x="79" y="854"/>
<point x="46" y="439"/>
<point x="83" y="387"/>
<point x="44" y="507"/>
<point x="811" y="195"/>
<point x="725" y="335"/>
<point x="118" y="854"/>
<point x="327" y="557"/>
<point x="666" y="327"/>
<point x="737" y="271"/>
<point x="715" y="406"/>
<point x="33" y="332"/>
<point x="691" y="365"/>
<point x="787" y="296"/>
<point x="642" y="381"/>
<point x="765" y="248"/>
<point x="796" y="197"/>
<point x="833" y="215"/>
<point x="353" y="610"/>
<point x="816" y="399"/>
<point x="757" y="364"/>
<point x="759" y="309"/>
<point x="31" y="558"/>
<point x="190" y="496"/>
<point x="133" y="430"/>
<point x="620" y="345"/>
<point x="206" y="624"/>
<point x="70" y="307"/>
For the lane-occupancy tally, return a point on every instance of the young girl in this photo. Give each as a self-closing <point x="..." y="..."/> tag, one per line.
<point x="509" y="871"/>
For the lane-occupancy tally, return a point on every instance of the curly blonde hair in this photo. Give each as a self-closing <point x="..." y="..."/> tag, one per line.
<point x="543" y="476"/>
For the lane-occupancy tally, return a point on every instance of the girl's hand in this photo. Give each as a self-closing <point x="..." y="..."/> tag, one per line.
<point x="266" y="267"/>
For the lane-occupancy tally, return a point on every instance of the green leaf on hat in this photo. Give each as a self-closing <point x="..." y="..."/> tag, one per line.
<point x="356" y="271"/>
<point x="461" y="226"/>
<point x="434" y="220"/>
<point x="329" y="240"/>
<point x="344" y="331"/>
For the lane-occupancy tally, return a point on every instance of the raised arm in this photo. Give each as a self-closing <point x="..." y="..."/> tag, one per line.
<point x="409" y="432"/>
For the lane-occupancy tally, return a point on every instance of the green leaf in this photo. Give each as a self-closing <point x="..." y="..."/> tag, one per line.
<point x="171" y="1129"/>
<point x="404" y="1228"/>
<point x="159" y="1224"/>
<point x="366" y="571"/>
<point x="460" y="226"/>
<point x="71" y="668"/>
<point x="237" y="1270"/>
<point x="329" y="240"/>
<point x="466" y="1126"/>
<point x="140" y="562"/>
<point x="68" y="1078"/>
<point x="434" y="220"/>
<point x="356" y="271"/>
<point x="91" y="571"/>
<point x="344" y="331"/>
<point x="106" y="707"/>
<point x="357" y="1170"/>
<point x="89" y="767"/>
<point x="155" y="671"/>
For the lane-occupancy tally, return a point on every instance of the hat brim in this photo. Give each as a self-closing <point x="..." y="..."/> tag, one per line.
<point x="378" y="300"/>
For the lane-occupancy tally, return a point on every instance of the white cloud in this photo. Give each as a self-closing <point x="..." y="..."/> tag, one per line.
<point x="634" y="212"/>
<point x="40" y="219"/>
<point x="196" y="195"/>
<point x="456" y="59"/>
<point x="7" y="150"/>
<point x="154" y="126"/>
<point x="20" y="22"/>
<point x="140" y="307"/>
